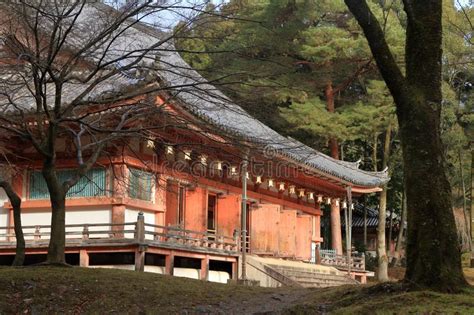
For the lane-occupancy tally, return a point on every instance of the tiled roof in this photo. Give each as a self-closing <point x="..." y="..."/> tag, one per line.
<point x="204" y="100"/>
<point x="372" y="216"/>
<point x="211" y="105"/>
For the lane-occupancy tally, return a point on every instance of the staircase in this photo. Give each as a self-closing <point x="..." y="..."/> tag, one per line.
<point x="310" y="278"/>
<point x="299" y="274"/>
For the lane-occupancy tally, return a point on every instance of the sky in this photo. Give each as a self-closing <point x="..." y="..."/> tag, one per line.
<point x="167" y="19"/>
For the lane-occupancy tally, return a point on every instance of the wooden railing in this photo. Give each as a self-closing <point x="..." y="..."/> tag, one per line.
<point x="179" y="236"/>
<point x="73" y="231"/>
<point x="135" y="232"/>
<point x="332" y="259"/>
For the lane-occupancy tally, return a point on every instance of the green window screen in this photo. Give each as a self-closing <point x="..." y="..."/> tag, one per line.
<point x="93" y="184"/>
<point x="141" y="184"/>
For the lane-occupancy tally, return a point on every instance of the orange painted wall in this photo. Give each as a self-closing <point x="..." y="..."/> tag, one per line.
<point x="171" y="203"/>
<point x="316" y="229"/>
<point x="287" y="233"/>
<point x="160" y="200"/>
<point x="265" y="222"/>
<point x="304" y="231"/>
<point x="195" y="212"/>
<point x="228" y="214"/>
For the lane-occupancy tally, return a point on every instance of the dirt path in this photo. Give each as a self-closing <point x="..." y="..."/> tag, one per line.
<point x="266" y="303"/>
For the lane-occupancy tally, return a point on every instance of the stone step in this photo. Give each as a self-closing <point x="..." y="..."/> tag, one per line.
<point x="310" y="278"/>
<point x="320" y="285"/>
<point x="321" y="280"/>
<point x="307" y="270"/>
<point x="319" y="277"/>
<point x="294" y="273"/>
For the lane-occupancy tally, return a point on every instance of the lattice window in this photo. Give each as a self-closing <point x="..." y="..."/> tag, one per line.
<point x="93" y="184"/>
<point x="141" y="184"/>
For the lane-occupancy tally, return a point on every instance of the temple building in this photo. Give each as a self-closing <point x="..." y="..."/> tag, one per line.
<point x="212" y="193"/>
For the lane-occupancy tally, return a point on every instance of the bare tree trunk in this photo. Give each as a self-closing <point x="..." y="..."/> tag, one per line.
<point x="382" y="271"/>
<point x="374" y="151"/>
<point x="15" y="200"/>
<point x="336" y="231"/>
<point x="333" y="146"/>
<point x="365" y="227"/>
<point x="390" y="231"/>
<point x="374" y="159"/>
<point x="403" y="218"/>
<point x="57" y="243"/>
<point x="471" y="212"/>
<point x="464" y="200"/>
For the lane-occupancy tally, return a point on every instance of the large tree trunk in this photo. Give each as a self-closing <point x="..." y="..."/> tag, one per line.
<point x="15" y="200"/>
<point x="433" y="253"/>
<point x="57" y="243"/>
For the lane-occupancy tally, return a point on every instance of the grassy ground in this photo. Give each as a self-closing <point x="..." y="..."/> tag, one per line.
<point x="50" y="290"/>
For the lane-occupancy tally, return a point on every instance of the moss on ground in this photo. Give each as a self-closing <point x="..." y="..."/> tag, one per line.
<point x="386" y="299"/>
<point x="48" y="290"/>
<point x="52" y="290"/>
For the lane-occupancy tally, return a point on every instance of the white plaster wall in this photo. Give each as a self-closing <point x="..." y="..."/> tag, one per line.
<point x="80" y="216"/>
<point x="152" y="269"/>
<point x="177" y="272"/>
<point x="83" y="216"/>
<point x="214" y="276"/>
<point x="132" y="215"/>
<point x="3" y="214"/>
<point x="121" y="267"/>
<point x="186" y="273"/>
<point x="35" y="218"/>
<point x="155" y="269"/>
<point x="218" y="276"/>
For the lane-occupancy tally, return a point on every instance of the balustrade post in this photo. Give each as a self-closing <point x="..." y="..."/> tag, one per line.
<point x="83" y="258"/>
<point x="318" y="255"/>
<point x="220" y="243"/>
<point x="85" y="232"/>
<point x="169" y="264"/>
<point x="204" y="274"/>
<point x="140" y="228"/>
<point x="236" y="240"/>
<point x="37" y="236"/>
<point x="118" y="217"/>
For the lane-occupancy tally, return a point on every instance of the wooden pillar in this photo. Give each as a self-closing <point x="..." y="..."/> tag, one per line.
<point x="169" y="264"/>
<point x="140" y="258"/>
<point x="118" y="217"/>
<point x="140" y="239"/>
<point x="235" y="270"/>
<point x="318" y="255"/>
<point x="120" y="173"/>
<point x="10" y="226"/>
<point x="140" y="228"/>
<point x="205" y="268"/>
<point x="336" y="232"/>
<point x="83" y="258"/>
